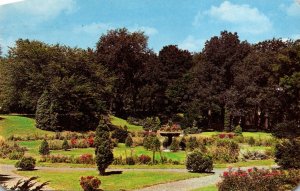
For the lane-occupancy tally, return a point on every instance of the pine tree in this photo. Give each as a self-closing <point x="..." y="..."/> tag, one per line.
<point x="44" y="148"/>
<point x="103" y="149"/>
<point x="65" y="145"/>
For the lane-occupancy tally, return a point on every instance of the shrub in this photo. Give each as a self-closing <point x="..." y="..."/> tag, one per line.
<point x="199" y="162"/>
<point x="128" y="141"/>
<point x="58" y="159"/>
<point x="44" y="148"/>
<point x="255" y="155"/>
<point x="26" y="163"/>
<point x="86" y="159"/>
<point x="15" y="155"/>
<point x="151" y="123"/>
<point x="55" y="144"/>
<point x="174" y="145"/>
<point x="130" y="161"/>
<point x="120" y="134"/>
<point x="225" y="150"/>
<point x="147" y="142"/>
<point x="182" y="143"/>
<point x="192" y="143"/>
<point x="65" y="145"/>
<point x="137" y="141"/>
<point x="259" y="180"/>
<point x="287" y="153"/>
<point x="90" y="183"/>
<point x="238" y="130"/>
<point x="11" y="150"/>
<point x="144" y="159"/>
<point x="251" y="141"/>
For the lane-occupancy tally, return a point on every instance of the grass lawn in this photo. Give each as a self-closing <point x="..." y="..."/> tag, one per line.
<point x="128" y="180"/>
<point x="246" y="147"/>
<point x="255" y="135"/>
<point x="207" y="188"/>
<point x="121" y="122"/>
<point x="19" y="126"/>
<point x="250" y="163"/>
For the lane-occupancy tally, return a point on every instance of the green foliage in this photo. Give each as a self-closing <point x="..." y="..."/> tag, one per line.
<point x="287" y="129"/>
<point x="129" y="141"/>
<point x="44" y="148"/>
<point x="287" y="153"/>
<point x="65" y="145"/>
<point x="225" y="150"/>
<point x="199" y="162"/>
<point x="120" y="133"/>
<point x="238" y="130"/>
<point x="192" y="144"/>
<point x="103" y="147"/>
<point x="26" y="163"/>
<point x="152" y="124"/>
<point x="251" y="141"/>
<point x="174" y="145"/>
<point x="147" y="142"/>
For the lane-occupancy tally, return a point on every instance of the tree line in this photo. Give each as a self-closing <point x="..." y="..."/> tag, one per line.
<point x="229" y="82"/>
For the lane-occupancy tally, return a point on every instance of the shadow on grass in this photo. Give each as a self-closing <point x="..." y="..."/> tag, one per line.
<point x="112" y="173"/>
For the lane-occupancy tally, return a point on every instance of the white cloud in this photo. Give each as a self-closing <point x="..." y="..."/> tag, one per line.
<point x="6" y="2"/>
<point x="93" y="28"/>
<point x="244" y="18"/>
<point x="38" y="10"/>
<point x="293" y="9"/>
<point x="192" y="44"/>
<point x="150" y="31"/>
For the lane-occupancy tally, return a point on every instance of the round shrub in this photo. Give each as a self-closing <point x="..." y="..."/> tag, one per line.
<point x="198" y="162"/>
<point x="26" y="163"/>
<point x="251" y="141"/>
<point x="65" y="145"/>
<point x="144" y="159"/>
<point x="238" y="130"/>
<point x="90" y="183"/>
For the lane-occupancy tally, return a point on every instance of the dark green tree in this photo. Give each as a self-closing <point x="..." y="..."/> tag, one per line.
<point x="44" y="148"/>
<point x="103" y="147"/>
<point x="129" y="141"/>
<point x="65" y="145"/>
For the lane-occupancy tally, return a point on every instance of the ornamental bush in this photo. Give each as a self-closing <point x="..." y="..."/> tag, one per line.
<point x="44" y="148"/>
<point x="225" y="150"/>
<point x="238" y="130"/>
<point x="259" y="180"/>
<point x="128" y="141"/>
<point x="199" y="162"/>
<point x="90" y="183"/>
<point x="174" y="145"/>
<point x="65" y="145"/>
<point x="287" y="153"/>
<point x="144" y="159"/>
<point x="26" y="163"/>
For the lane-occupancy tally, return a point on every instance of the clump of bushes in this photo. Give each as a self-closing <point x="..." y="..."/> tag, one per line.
<point x="199" y="162"/>
<point x="259" y="179"/>
<point x="255" y="155"/>
<point x="11" y="150"/>
<point x="120" y="134"/>
<point x="129" y="141"/>
<point x="225" y="150"/>
<point x="90" y="183"/>
<point x="26" y="163"/>
<point x="144" y="159"/>
<point x="65" y="146"/>
<point x="287" y="153"/>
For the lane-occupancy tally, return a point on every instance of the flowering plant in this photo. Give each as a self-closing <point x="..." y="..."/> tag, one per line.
<point x="90" y="183"/>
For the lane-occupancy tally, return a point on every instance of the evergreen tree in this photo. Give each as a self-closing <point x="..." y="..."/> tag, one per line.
<point x="44" y="148"/>
<point x="103" y="147"/>
<point x="65" y="145"/>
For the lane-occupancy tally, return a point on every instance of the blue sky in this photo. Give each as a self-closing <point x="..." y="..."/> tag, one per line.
<point x="186" y="23"/>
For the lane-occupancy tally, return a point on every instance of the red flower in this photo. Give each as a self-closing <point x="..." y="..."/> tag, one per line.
<point x="225" y="173"/>
<point x="250" y="170"/>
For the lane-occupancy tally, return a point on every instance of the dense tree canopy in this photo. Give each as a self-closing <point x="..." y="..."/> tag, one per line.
<point x="230" y="82"/>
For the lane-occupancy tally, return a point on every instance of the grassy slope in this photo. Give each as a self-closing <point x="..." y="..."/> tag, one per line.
<point x="128" y="180"/>
<point x="121" y="122"/>
<point x="19" y="126"/>
<point x="207" y="188"/>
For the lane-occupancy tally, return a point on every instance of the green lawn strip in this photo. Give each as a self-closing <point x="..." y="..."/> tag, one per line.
<point x="121" y="122"/>
<point x="250" y="163"/>
<point x="128" y="180"/>
<point x="255" y="135"/>
<point x="207" y="188"/>
<point x="19" y="126"/>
